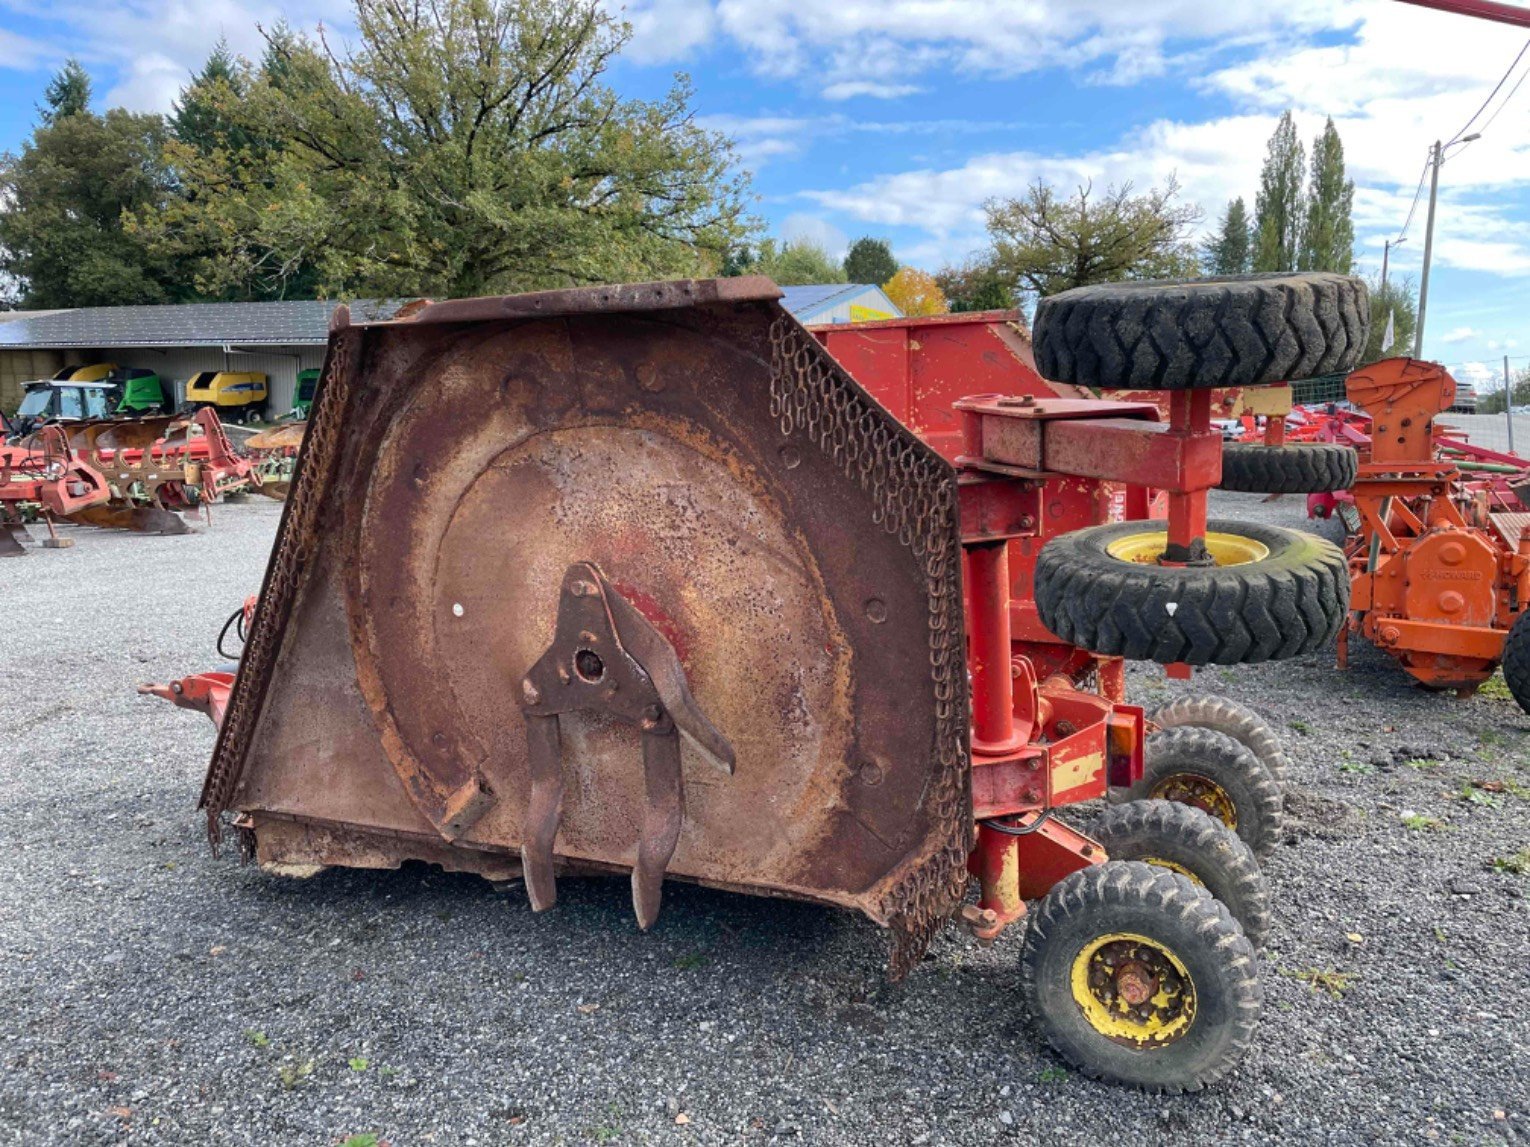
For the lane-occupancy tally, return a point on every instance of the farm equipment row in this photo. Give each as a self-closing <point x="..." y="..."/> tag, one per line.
<point x="1438" y="528"/>
<point x="133" y="474"/>
<point x="642" y="580"/>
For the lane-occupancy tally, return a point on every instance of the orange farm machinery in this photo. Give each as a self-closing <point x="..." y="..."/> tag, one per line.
<point x="121" y="473"/>
<point x="642" y="580"/>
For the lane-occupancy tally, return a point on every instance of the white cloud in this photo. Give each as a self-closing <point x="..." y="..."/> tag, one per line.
<point x="815" y="229"/>
<point x="1477" y="375"/>
<point x="854" y="89"/>
<point x="664" y="31"/>
<point x="1460" y="335"/>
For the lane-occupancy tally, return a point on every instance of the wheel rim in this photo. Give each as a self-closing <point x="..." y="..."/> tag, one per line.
<point x="1200" y="792"/>
<point x="1224" y="549"/>
<point x="1133" y="990"/>
<point x="1173" y="867"/>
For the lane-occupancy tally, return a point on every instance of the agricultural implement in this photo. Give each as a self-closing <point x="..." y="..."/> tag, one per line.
<point x="43" y="477"/>
<point x="274" y="451"/>
<point x="1440" y="554"/>
<point x="640" y="580"/>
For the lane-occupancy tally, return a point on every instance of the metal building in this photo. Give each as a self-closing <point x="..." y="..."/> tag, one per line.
<point x="278" y="339"/>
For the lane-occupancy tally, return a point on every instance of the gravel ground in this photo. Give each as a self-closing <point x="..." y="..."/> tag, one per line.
<point x="152" y="994"/>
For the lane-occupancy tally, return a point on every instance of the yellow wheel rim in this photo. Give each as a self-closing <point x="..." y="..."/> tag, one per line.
<point x="1224" y="549"/>
<point x="1133" y="990"/>
<point x="1172" y="867"/>
<point x="1199" y="792"/>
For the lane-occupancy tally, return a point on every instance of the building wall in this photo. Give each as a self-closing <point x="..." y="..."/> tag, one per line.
<point x="871" y="303"/>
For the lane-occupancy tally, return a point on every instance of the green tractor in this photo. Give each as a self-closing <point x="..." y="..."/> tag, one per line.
<point x="307" y="383"/>
<point x="143" y="392"/>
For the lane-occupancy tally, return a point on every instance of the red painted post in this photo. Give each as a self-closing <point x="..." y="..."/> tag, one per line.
<point x="1189" y="411"/>
<point x="993" y="689"/>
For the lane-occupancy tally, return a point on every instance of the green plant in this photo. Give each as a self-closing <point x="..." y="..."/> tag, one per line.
<point x="1363" y="768"/>
<point x="1496" y="688"/>
<point x="1422" y="763"/>
<point x="357" y="1063"/>
<point x="1301" y="727"/>
<point x="1329" y="980"/>
<point x="1052" y="1075"/>
<point x="292" y="1074"/>
<point x="365" y="1139"/>
<point x="1516" y="865"/>
<point x="690" y="961"/>
<point x="1473" y="795"/>
<point x="259" y="1039"/>
<point x="1418" y="822"/>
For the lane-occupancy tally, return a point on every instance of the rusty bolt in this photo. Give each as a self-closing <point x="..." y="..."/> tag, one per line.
<point x="529" y="692"/>
<point x="582" y="588"/>
<point x="652" y="715"/>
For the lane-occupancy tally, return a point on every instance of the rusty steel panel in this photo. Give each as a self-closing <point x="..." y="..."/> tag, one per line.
<point x="793" y="545"/>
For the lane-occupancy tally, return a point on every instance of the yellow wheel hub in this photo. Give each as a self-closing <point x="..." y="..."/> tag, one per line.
<point x="1160" y="862"/>
<point x="1133" y="990"/>
<point x="1199" y="792"/>
<point x="1224" y="549"/>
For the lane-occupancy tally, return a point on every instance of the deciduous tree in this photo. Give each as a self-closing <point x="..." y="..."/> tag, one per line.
<point x="1397" y="299"/>
<point x="795" y="263"/>
<point x="62" y="239"/>
<point x="976" y="285"/>
<point x="916" y="293"/>
<point x="1278" y="206"/>
<point x="1328" y="232"/>
<point x="462" y="147"/>
<point x="1045" y="242"/>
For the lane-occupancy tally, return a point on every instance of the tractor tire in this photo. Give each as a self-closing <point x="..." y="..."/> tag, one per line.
<point x="1305" y="468"/>
<point x="1235" y="330"/>
<point x="1516" y="660"/>
<point x="1177" y="943"/>
<point x="1184" y="839"/>
<point x="1289" y="595"/>
<point x="1231" y="719"/>
<point x="1214" y="773"/>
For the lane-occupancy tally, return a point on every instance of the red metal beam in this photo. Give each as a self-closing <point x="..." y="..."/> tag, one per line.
<point x="1481" y="9"/>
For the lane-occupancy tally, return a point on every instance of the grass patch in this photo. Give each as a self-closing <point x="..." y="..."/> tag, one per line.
<point x="1496" y="688"/>
<point x="1360" y="768"/>
<point x="1418" y="822"/>
<point x="1422" y="763"/>
<point x="1052" y="1075"/>
<point x="1471" y="794"/>
<point x="365" y="1139"/>
<point x="1301" y="727"/>
<point x="357" y="1063"/>
<point x="258" y="1039"/>
<point x="293" y="1074"/>
<point x="1516" y="865"/>
<point x="1329" y="980"/>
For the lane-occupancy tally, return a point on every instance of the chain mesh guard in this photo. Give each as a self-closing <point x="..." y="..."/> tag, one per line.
<point x="915" y="501"/>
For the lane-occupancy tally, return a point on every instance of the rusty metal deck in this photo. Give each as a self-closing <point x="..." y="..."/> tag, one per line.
<point x="792" y="543"/>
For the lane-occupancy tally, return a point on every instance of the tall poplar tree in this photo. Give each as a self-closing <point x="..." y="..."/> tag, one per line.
<point x="1328" y="232"/>
<point x="1278" y="207"/>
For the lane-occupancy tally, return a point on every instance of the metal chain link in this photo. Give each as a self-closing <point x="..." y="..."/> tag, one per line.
<point x="914" y="499"/>
<point x="294" y="548"/>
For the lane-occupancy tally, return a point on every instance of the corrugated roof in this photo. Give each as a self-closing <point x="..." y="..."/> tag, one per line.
<point x="294" y="323"/>
<point x="297" y="323"/>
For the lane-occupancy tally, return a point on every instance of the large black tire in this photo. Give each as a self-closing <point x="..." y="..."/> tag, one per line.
<point x="1130" y="899"/>
<point x="1290" y="602"/>
<point x="1186" y="840"/>
<point x="1216" y="774"/>
<point x="1297" y="468"/>
<point x="1231" y="719"/>
<point x="1237" y="330"/>
<point x="1516" y="660"/>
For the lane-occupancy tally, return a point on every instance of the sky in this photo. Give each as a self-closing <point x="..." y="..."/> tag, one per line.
<point x="900" y="118"/>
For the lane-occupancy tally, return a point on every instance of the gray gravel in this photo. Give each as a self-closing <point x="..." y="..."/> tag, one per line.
<point x="152" y="994"/>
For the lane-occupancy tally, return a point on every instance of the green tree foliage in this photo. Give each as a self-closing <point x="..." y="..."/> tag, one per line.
<point x="462" y="147"/>
<point x="976" y="285"/>
<point x="1228" y="250"/>
<point x="870" y="261"/>
<point x="67" y="93"/>
<point x="1328" y="232"/>
<point x="1492" y="400"/>
<point x="1046" y="243"/>
<point x="1399" y="299"/>
<point x="62" y="238"/>
<point x="1278" y="206"/>
<point x="200" y="118"/>
<point x="795" y="263"/>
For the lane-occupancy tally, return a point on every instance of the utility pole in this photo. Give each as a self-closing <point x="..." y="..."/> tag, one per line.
<point x="1423" y="282"/>
<point x="1386" y="256"/>
<point x="1436" y="157"/>
<point x="1508" y="402"/>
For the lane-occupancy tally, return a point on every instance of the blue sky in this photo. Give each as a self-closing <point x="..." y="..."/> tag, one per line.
<point x="899" y="118"/>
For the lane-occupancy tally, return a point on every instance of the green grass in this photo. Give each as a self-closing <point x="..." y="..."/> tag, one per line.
<point x="365" y="1139"/>
<point x="357" y="1063"/>
<point x="1496" y="688"/>
<point x="259" y="1039"/>
<point x="1052" y="1075"/>
<point x="1301" y="727"/>
<point x="1418" y="822"/>
<point x="1329" y="980"/>
<point x="1422" y="763"/>
<point x="1360" y="768"/>
<point x="292" y="1074"/>
<point x="1471" y="794"/>
<point x="1516" y="865"/>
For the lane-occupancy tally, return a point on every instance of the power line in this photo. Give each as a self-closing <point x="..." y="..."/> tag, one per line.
<point x="1467" y="125"/>
<point x="1506" y="100"/>
<point x="1412" y="207"/>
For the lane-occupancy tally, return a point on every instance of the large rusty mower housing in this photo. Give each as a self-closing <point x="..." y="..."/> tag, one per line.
<point x="688" y="455"/>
